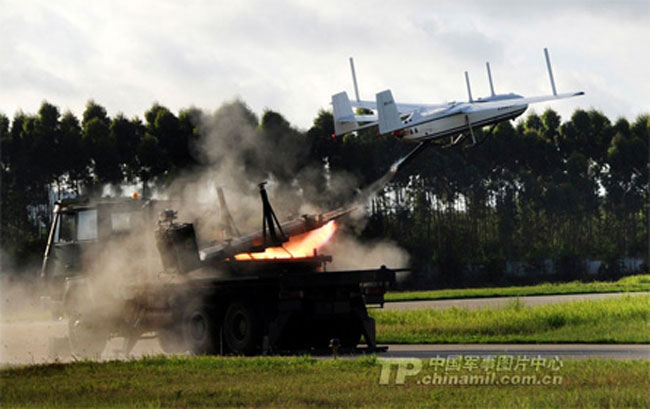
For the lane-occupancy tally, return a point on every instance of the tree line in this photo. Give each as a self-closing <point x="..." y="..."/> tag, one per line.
<point x="537" y="189"/>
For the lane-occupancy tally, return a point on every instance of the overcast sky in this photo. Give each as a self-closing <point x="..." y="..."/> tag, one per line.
<point x="291" y="56"/>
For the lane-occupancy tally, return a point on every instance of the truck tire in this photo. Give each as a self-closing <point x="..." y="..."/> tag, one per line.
<point x="200" y="330"/>
<point x="171" y="341"/>
<point x="242" y="328"/>
<point x="87" y="336"/>
<point x="86" y="340"/>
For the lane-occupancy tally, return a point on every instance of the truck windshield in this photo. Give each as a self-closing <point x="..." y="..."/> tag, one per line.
<point x="87" y="225"/>
<point x="66" y="228"/>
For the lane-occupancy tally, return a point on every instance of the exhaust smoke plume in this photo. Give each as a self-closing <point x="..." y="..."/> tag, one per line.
<point x="237" y="154"/>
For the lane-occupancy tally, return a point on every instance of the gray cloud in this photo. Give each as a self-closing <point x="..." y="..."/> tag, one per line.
<point x="630" y="10"/>
<point x="291" y="56"/>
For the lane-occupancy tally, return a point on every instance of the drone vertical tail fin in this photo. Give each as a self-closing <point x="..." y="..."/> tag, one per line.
<point x="389" y="119"/>
<point x="343" y="114"/>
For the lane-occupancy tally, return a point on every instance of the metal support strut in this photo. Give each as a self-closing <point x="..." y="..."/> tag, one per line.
<point x="270" y="221"/>
<point x="460" y="138"/>
<point x="471" y="130"/>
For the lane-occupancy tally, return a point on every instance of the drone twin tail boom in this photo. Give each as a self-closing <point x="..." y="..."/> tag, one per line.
<point x="426" y="122"/>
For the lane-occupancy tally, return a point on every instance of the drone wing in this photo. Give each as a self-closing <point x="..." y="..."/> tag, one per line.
<point x="506" y="103"/>
<point x="516" y="99"/>
<point x="402" y="108"/>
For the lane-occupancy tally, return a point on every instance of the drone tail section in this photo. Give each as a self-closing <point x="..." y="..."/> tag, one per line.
<point x="343" y="115"/>
<point x="388" y="116"/>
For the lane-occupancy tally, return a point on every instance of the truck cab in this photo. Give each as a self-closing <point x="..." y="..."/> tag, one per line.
<point x="81" y="234"/>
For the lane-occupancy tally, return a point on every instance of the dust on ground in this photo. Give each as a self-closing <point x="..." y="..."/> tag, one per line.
<point x="41" y="342"/>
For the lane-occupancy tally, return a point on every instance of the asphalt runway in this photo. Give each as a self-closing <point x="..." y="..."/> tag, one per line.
<point x="494" y="302"/>
<point x="566" y="351"/>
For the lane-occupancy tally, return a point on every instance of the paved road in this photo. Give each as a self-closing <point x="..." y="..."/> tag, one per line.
<point x="491" y="302"/>
<point x="29" y="343"/>
<point x="568" y="351"/>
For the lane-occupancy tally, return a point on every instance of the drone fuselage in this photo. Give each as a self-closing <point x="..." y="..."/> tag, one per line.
<point x="455" y="120"/>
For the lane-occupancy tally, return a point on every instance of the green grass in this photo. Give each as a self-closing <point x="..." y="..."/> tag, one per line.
<point x="624" y="319"/>
<point x="633" y="283"/>
<point x="305" y="382"/>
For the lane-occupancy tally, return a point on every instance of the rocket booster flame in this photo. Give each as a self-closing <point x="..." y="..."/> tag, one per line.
<point x="297" y="230"/>
<point x="302" y="245"/>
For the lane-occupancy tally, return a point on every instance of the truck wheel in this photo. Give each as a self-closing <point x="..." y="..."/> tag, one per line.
<point x="199" y="329"/>
<point x="86" y="340"/>
<point x="171" y="341"/>
<point x="87" y="335"/>
<point x="242" y="329"/>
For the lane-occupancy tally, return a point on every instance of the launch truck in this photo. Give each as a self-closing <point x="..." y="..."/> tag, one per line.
<point x="128" y="268"/>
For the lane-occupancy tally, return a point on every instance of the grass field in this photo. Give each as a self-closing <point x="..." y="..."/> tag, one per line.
<point x="633" y="283"/>
<point x="624" y="319"/>
<point x="305" y="382"/>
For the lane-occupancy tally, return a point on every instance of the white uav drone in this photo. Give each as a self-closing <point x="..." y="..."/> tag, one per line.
<point x="426" y="122"/>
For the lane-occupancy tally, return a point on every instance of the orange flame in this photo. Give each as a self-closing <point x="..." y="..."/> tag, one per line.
<point x="302" y="245"/>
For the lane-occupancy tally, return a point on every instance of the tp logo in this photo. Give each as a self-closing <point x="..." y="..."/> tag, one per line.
<point x="405" y="367"/>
